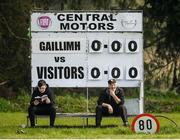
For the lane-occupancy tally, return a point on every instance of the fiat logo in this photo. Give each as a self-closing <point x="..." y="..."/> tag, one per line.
<point x="44" y="22"/>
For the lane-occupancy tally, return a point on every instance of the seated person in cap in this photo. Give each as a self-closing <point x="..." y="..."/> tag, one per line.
<point x="42" y="103"/>
<point x="111" y="102"/>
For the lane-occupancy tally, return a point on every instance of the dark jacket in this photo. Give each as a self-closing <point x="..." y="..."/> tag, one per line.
<point x="105" y="97"/>
<point x="47" y="92"/>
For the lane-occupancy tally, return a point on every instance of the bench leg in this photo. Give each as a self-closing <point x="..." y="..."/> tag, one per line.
<point x="35" y="119"/>
<point x="83" y="121"/>
<point x="27" y="121"/>
<point x="87" y="121"/>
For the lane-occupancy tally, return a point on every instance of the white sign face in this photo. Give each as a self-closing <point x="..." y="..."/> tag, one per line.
<point x="145" y="123"/>
<point x="58" y="69"/>
<point x="87" y="21"/>
<point x="86" y="49"/>
<point x="58" y="45"/>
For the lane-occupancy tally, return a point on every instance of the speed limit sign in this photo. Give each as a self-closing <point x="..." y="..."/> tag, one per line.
<point x="145" y="123"/>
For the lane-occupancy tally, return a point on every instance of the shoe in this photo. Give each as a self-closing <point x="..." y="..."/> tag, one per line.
<point x="51" y="126"/>
<point x="126" y="124"/>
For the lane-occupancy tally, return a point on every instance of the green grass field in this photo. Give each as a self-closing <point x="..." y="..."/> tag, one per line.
<point x="71" y="128"/>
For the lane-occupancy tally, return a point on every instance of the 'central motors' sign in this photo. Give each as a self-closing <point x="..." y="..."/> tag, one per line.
<point x="86" y="49"/>
<point x="85" y="21"/>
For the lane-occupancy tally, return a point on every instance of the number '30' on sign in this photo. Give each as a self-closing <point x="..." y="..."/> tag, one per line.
<point x="145" y="123"/>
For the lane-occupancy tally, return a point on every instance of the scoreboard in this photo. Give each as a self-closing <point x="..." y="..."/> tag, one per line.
<point x="85" y="49"/>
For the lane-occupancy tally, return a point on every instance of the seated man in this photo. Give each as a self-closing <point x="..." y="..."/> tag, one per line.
<point x="111" y="102"/>
<point x="42" y="103"/>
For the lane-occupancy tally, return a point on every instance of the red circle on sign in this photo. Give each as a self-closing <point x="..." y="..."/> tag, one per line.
<point x="143" y="115"/>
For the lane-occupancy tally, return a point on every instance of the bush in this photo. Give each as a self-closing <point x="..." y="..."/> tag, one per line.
<point x="162" y="105"/>
<point x="21" y="103"/>
<point x="161" y="101"/>
<point x="5" y="105"/>
<point x="71" y="102"/>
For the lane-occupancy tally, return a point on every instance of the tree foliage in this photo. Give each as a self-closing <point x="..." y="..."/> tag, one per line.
<point x="162" y="22"/>
<point x="14" y="43"/>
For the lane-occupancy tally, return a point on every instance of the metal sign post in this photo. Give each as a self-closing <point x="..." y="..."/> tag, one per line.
<point x="141" y="95"/>
<point x="87" y="99"/>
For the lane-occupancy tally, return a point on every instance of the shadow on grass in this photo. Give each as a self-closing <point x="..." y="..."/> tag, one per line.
<point x="77" y="126"/>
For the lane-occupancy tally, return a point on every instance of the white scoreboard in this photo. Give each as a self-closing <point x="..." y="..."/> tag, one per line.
<point x="85" y="49"/>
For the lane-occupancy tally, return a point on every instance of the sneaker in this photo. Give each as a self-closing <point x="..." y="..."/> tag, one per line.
<point x="126" y="124"/>
<point x="51" y="125"/>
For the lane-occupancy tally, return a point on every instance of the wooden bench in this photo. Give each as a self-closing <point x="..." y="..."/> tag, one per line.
<point x="132" y="106"/>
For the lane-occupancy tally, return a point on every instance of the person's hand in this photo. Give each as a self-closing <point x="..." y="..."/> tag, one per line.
<point x="36" y="102"/>
<point x="110" y="109"/>
<point x="48" y="100"/>
<point x="112" y="92"/>
<point x="44" y="98"/>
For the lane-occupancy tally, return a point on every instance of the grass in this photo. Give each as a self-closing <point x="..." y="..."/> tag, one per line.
<point x="71" y="128"/>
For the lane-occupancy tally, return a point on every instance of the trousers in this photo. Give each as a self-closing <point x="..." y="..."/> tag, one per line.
<point x="42" y="110"/>
<point x="103" y="111"/>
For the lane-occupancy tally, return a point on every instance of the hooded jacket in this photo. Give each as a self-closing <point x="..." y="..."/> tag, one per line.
<point x="47" y="92"/>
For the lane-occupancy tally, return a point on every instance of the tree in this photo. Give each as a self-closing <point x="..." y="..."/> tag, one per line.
<point x="14" y="43"/>
<point x="162" y="23"/>
<point x="85" y="4"/>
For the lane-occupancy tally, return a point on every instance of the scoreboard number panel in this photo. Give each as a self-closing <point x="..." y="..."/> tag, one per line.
<point x="95" y="46"/>
<point x="116" y="46"/>
<point x="145" y="123"/>
<point x="133" y="73"/>
<point x="94" y="73"/>
<point x="132" y="45"/>
<point x="115" y="72"/>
